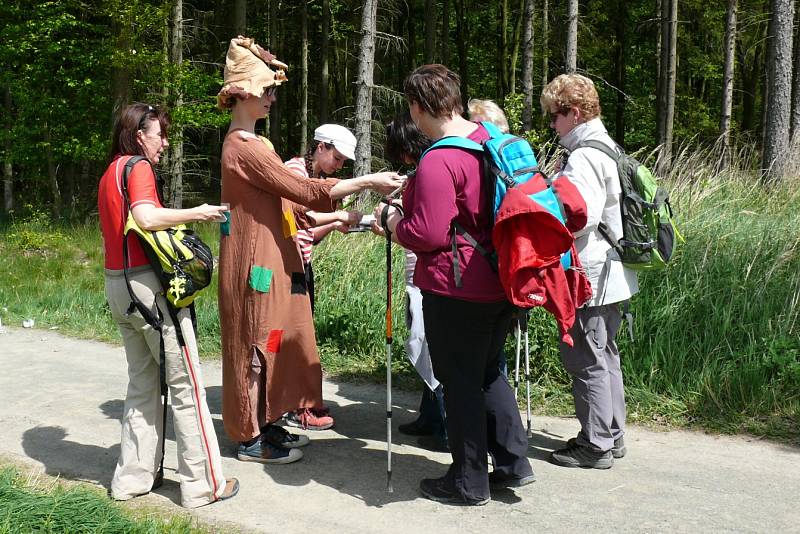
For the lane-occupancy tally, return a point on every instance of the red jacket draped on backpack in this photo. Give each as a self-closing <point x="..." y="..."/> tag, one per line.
<point x="529" y="242"/>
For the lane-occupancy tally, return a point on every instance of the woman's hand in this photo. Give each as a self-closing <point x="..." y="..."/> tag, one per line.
<point x="385" y="182"/>
<point x="392" y="217"/>
<point x="207" y="212"/>
<point x="376" y="229"/>
<point x="342" y="227"/>
<point x="349" y="217"/>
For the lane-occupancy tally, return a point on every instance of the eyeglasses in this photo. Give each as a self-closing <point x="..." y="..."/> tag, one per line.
<point x="270" y="91"/>
<point x="554" y="115"/>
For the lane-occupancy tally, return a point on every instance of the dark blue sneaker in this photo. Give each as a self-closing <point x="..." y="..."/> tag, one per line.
<point x="264" y="452"/>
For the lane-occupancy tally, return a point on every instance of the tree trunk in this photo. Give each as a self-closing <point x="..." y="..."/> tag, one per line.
<point x="779" y="85"/>
<point x="303" y="77"/>
<point x="8" y="168"/>
<point x="515" y="47"/>
<point x="502" y="51"/>
<point x="366" y="65"/>
<point x="430" y="30"/>
<point x="239" y="18"/>
<point x="275" y="111"/>
<point x="176" y="146"/>
<point x="571" y="57"/>
<point x="446" y="32"/>
<point x="666" y="101"/>
<point x="462" y="39"/>
<point x="323" y="53"/>
<point x="621" y="16"/>
<point x="727" y="84"/>
<point x="120" y="75"/>
<point x="527" y="65"/>
<point x="545" y="43"/>
<point x="795" y="126"/>
<point x="750" y="87"/>
<point x="662" y="13"/>
<point x="52" y="173"/>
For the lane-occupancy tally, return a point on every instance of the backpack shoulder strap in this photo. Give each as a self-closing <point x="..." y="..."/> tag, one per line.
<point x="133" y="160"/>
<point x="492" y="129"/>
<point x="454" y="141"/>
<point x="604" y="148"/>
<point x="153" y="319"/>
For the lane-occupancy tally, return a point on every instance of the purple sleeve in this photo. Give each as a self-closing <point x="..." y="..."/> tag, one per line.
<point x="426" y="226"/>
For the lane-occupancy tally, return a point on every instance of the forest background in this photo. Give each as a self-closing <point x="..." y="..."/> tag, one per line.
<point x="705" y="92"/>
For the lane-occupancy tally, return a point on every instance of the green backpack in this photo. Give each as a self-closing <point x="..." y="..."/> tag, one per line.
<point x="648" y="229"/>
<point x="182" y="261"/>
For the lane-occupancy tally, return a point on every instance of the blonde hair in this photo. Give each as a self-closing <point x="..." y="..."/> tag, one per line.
<point x="486" y="110"/>
<point x="571" y="90"/>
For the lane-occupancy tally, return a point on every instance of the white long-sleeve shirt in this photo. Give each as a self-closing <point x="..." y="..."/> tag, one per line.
<point x="595" y="176"/>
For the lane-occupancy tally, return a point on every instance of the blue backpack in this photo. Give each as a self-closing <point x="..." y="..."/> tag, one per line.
<point x="509" y="162"/>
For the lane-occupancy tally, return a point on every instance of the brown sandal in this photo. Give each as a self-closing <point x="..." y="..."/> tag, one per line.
<point x="231" y="489"/>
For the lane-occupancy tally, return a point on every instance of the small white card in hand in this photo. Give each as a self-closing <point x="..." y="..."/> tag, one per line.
<point x="364" y="225"/>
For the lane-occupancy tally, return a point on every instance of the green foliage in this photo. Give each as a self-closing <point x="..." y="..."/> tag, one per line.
<point x="33" y="233"/>
<point x="28" y="505"/>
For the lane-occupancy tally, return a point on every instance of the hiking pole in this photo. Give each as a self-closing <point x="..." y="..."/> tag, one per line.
<point x="516" y="367"/>
<point x="527" y="373"/>
<point x="384" y="217"/>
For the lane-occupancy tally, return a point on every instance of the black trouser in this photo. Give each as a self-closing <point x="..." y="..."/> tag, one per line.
<point x="465" y="340"/>
<point x="310" y="284"/>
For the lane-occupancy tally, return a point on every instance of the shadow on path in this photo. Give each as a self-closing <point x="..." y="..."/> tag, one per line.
<point x="62" y="457"/>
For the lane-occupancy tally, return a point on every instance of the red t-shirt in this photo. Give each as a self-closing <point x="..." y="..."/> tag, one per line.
<point x="113" y="213"/>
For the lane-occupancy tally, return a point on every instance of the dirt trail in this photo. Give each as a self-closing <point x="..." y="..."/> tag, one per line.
<point x="61" y="399"/>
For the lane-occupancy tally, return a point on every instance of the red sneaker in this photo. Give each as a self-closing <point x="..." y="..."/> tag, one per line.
<point x="310" y="419"/>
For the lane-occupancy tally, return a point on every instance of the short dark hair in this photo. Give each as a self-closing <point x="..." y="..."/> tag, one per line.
<point x="436" y="89"/>
<point x="130" y="120"/>
<point x="404" y="140"/>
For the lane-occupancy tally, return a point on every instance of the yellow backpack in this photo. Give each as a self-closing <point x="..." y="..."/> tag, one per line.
<point x="180" y="259"/>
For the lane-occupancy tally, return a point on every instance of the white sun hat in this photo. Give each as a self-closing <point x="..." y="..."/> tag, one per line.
<point x="340" y="137"/>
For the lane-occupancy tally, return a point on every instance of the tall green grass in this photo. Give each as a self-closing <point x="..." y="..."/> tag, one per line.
<point x="717" y="334"/>
<point x="31" y="504"/>
<point x="54" y="275"/>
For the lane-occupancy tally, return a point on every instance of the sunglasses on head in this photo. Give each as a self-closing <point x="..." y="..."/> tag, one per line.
<point x="148" y="111"/>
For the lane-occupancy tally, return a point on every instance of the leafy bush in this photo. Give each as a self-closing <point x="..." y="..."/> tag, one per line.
<point x="33" y="233"/>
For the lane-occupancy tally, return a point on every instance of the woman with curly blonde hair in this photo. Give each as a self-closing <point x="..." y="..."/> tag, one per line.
<point x="573" y="105"/>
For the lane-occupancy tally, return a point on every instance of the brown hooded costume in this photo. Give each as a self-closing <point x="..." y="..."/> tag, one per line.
<point x="269" y="352"/>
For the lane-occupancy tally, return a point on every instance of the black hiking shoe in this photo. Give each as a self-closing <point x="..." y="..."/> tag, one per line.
<point x="619" y="450"/>
<point x="417" y="428"/>
<point x="436" y="489"/>
<point x="580" y="456"/>
<point x="501" y="481"/>
<point x="280" y="437"/>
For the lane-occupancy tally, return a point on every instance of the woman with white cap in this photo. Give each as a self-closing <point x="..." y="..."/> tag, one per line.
<point x="334" y="144"/>
<point x="269" y="352"/>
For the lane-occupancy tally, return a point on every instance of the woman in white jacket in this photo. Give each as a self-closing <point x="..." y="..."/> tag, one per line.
<point x="593" y="362"/>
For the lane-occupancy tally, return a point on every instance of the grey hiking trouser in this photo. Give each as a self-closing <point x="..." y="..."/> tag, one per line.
<point x="594" y="366"/>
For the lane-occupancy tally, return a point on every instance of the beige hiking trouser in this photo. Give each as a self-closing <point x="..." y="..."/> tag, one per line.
<point x="199" y="464"/>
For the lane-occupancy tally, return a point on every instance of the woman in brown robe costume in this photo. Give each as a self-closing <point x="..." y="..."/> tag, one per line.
<point x="269" y="352"/>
